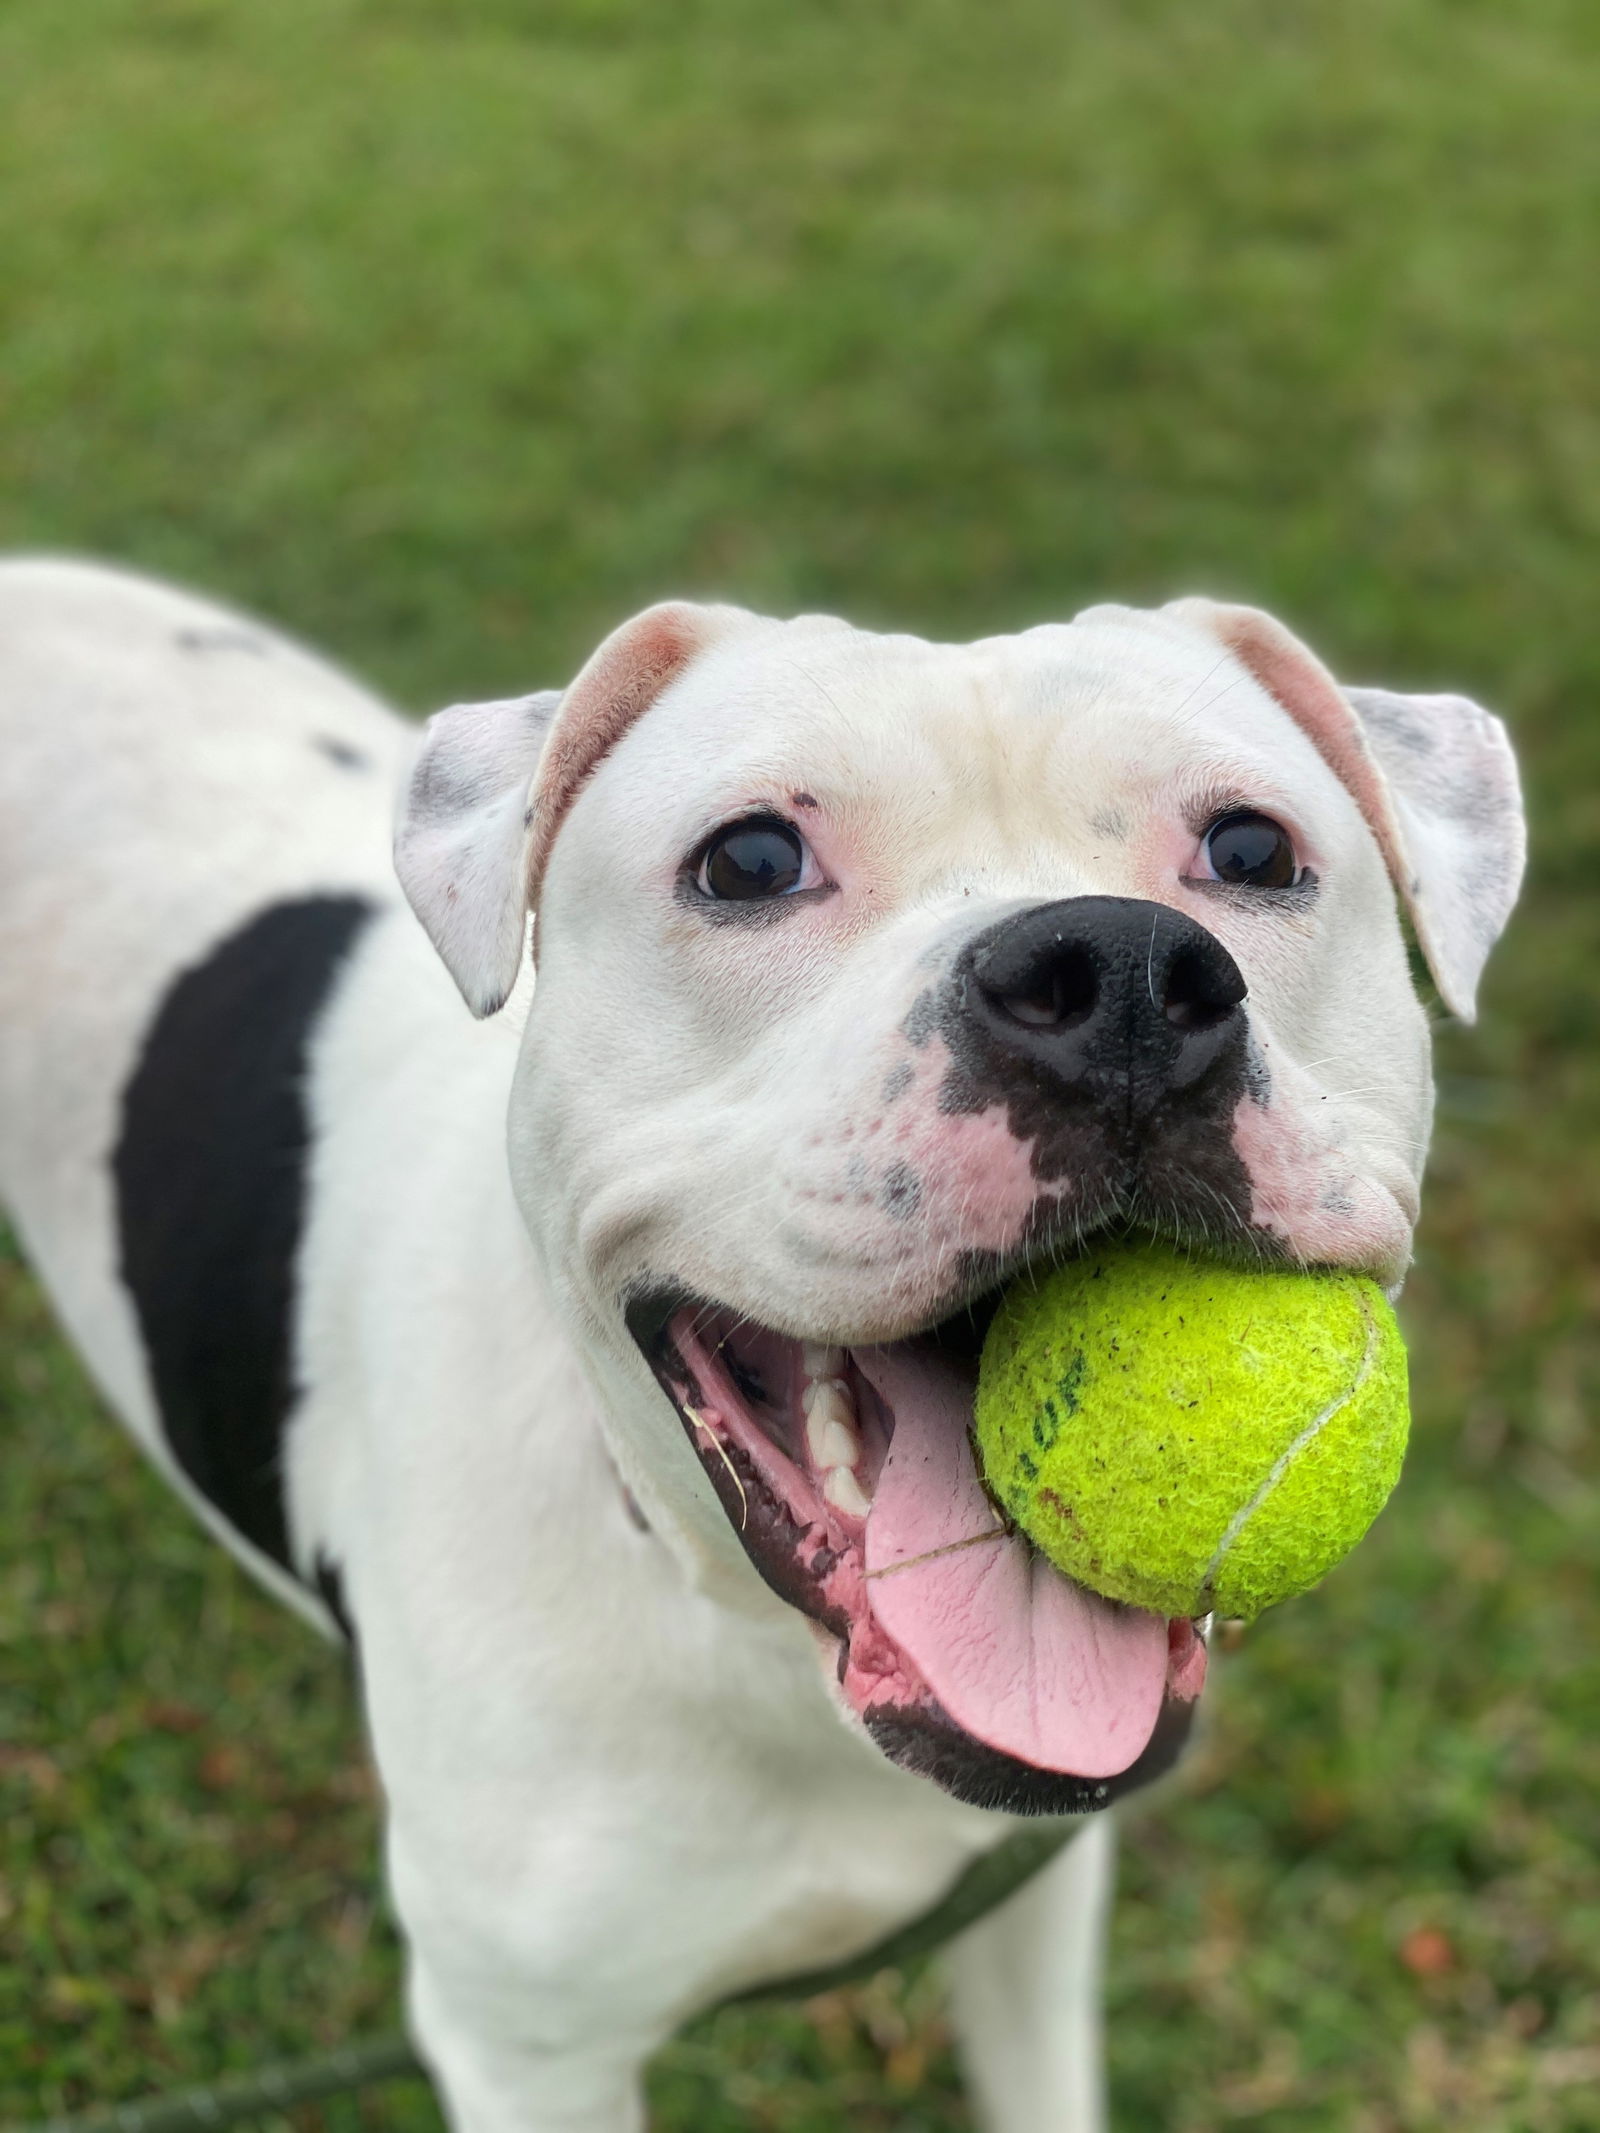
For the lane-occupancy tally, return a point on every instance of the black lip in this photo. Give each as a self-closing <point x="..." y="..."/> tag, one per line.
<point x="932" y="1745"/>
<point x="647" y="1312"/>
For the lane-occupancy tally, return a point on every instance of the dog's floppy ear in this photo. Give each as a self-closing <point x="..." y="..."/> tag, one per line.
<point x="462" y="835"/>
<point x="493" y="782"/>
<point x="1434" y="776"/>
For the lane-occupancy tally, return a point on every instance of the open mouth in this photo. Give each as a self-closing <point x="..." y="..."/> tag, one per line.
<point x="851" y="1478"/>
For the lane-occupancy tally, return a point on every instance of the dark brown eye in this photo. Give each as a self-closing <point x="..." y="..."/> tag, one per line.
<point x="757" y="858"/>
<point x="1252" y="850"/>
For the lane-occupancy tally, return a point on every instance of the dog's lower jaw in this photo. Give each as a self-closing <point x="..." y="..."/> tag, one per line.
<point x="850" y="1480"/>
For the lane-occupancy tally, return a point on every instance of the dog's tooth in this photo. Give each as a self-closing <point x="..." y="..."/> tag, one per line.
<point x="845" y="1493"/>
<point x="818" y="1362"/>
<point x="837" y="1445"/>
<point x="831" y="1425"/>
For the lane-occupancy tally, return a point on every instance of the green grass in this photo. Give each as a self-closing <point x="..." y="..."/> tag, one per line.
<point x="449" y="334"/>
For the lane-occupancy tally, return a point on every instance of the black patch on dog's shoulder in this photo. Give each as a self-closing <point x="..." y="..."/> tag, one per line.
<point x="209" y="1171"/>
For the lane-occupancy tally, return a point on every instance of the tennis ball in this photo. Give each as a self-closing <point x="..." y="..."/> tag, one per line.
<point x="1188" y="1436"/>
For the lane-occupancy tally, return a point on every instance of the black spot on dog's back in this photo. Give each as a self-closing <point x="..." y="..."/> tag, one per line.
<point x="223" y="637"/>
<point x="341" y="752"/>
<point x="210" y="1186"/>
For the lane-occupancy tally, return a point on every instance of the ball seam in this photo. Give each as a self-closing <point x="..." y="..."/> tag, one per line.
<point x="1286" y="1458"/>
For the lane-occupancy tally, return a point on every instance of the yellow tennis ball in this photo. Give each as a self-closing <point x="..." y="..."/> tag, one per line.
<point x="1192" y="1437"/>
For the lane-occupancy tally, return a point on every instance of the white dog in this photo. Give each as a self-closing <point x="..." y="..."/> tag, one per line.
<point x="603" y="1367"/>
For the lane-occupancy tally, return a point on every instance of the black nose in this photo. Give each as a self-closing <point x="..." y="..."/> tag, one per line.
<point x="1127" y="1005"/>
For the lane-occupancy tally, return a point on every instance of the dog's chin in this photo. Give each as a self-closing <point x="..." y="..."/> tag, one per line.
<point x="850" y="1477"/>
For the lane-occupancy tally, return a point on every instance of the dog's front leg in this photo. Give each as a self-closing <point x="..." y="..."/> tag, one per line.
<point x="500" y="2066"/>
<point x="1025" y="1986"/>
<point x="526" y="2024"/>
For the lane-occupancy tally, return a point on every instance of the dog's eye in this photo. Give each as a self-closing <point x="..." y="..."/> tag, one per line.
<point x="758" y="857"/>
<point x="1252" y="850"/>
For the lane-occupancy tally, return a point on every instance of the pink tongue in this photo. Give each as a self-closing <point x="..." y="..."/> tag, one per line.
<point x="1028" y="1662"/>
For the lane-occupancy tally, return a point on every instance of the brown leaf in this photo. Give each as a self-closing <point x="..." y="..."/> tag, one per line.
<point x="221" y="1767"/>
<point x="1426" y="1952"/>
<point x="173" y="1717"/>
<point x="43" y="1774"/>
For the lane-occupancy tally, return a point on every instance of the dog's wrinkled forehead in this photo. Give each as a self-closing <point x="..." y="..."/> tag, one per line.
<point x="1001" y="754"/>
<point x="1003" y="759"/>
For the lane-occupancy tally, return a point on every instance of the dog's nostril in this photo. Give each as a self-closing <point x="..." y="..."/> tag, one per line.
<point x="1199" y="990"/>
<point x="1058" y="994"/>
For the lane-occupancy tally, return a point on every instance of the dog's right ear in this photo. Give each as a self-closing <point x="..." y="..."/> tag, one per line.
<point x="1434" y="776"/>
<point x="493" y="783"/>
<point x="461" y="841"/>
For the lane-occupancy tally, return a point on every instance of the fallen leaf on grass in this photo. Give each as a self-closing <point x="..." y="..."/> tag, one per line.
<point x="33" y="1765"/>
<point x="220" y="1767"/>
<point x="1426" y="1952"/>
<point x="167" y="1716"/>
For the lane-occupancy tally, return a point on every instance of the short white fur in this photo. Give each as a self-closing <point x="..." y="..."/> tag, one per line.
<point x="619" y="1783"/>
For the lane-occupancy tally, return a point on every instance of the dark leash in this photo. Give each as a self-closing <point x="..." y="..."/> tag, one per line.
<point x="269" y="2088"/>
<point x="980" y="1888"/>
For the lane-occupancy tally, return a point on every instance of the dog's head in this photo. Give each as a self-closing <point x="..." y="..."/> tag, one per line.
<point x="871" y="971"/>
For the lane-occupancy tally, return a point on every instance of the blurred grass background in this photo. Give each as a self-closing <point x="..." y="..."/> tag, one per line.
<point x="448" y="332"/>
